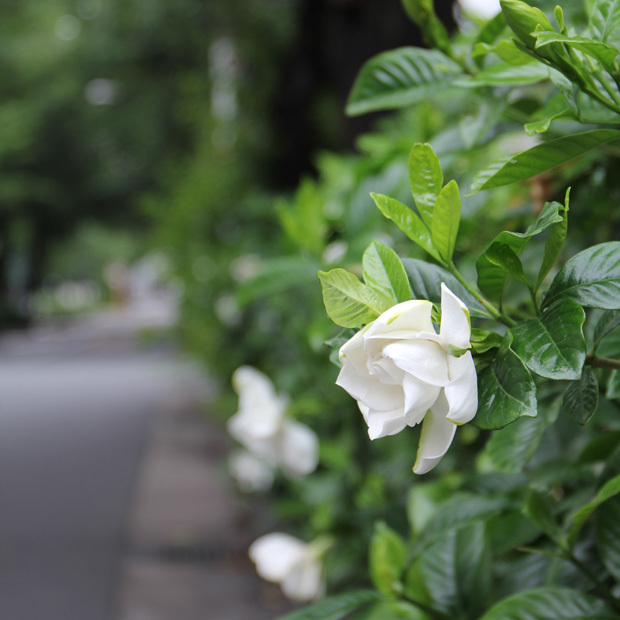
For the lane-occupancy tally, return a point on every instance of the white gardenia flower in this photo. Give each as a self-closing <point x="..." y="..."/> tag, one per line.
<point x="401" y="372"/>
<point x="292" y="563"/>
<point x="251" y="472"/>
<point x="262" y="427"/>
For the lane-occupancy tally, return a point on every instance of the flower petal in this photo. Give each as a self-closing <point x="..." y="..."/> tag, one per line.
<point x="411" y="316"/>
<point x="419" y="398"/>
<point x="304" y="582"/>
<point x="352" y="351"/>
<point x="251" y="473"/>
<point x="422" y="359"/>
<point x="462" y="392"/>
<point x="275" y="555"/>
<point x="436" y="437"/>
<point x="370" y="390"/>
<point x="455" y="328"/>
<point x="383" y="423"/>
<point x="299" y="449"/>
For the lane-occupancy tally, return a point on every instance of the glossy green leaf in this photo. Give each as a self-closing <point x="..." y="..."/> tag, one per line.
<point x="426" y="278"/>
<point x="446" y="219"/>
<point x="482" y="341"/>
<point x="607" y="535"/>
<point x="390" y="610"/>
<point x="473" y="569"/>
<point x="604" y="53"/>
<point x="506" y="390"/>
<point x="492" y="278"/>
<point x="511" y="448"/>
<point x="399" y="78"/>
<point x="406" y="219"/>
<point x="422" y="12"/>
<point x="386" y="557"/>
<point x="349" y="302"/>
<point x="542" y="125"/>
<point x="384" y="271"/>
<point x="592" y="278"/>
<point x="605" y="21"/>
<point x="549" y="604"/>
<point x="540" y="158"/>
<point x="539" y="509"/>
<point x="503" y="256"/>
<point x="333" y="607"/>
<point x="556" y="239"/>
<point x="581" y="397"/>
<point x="426" y="180"/>
<point x="609" y="320"/>
<point x="553" y="345"/>
<point x="577" y="519"/>
<point x="459" y="511"/>
<point x="438" y="570"/>
<point x="506" y="74"/>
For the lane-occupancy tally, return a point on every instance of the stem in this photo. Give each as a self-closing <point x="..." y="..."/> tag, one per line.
<point x="602" y="362"/>
<point x="602" y="589"/>
<point x="492" y="310"/>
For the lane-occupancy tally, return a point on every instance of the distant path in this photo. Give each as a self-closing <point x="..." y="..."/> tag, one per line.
<point x="114" y="499"/>
<point x="75" y="404"/>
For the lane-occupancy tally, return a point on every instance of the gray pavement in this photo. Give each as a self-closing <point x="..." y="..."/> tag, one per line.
<point x="114" y="504"/>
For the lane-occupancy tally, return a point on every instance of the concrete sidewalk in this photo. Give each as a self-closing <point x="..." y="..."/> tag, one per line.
<point x="186" y="545"/>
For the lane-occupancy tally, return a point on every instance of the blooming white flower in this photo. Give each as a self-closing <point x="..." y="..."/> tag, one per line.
<point x="251" y="472"/>
<point x="401" y="372"/>
<point x="262" y="427"/>
<point x="292" y="563"/>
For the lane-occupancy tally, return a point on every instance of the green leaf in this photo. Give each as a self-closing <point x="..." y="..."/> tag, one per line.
<point x="511" y="448"/>
<point x="334" y="607"/>
<point x="609" y="320"/>
<point x="581" y="397"/>
<point x="426" y="278"/>
<point x="607" y="535"/>
<point x="503" y="256"/>
<point x="592" y="278"/>
<point x="407" y="221"/>
<point x="390" y="610"/>
<point x="506" y="390"/>
<point x="384" y="272"/>
<point x="426" y="179"/>
<point x="556" y="239"/>
<point x="542" y="125"/>
<point x="505" y="74"/>
<point x="549" y="604"/>
<point x="604" y="53"/>
<point x="541" y="158"/>
<point x="539" y="509"/>
<point x="386" y="556"/>
<point x="605" y="21"/>
<point x="492" y="278"/>
<point x="348" y="302"/>
<point x="577" y="519"/>
<point x="438" y="570"/>
<point x="399" y="78"/>
<point x="483" y="341"/>
<point x="524" y="20"/>
<point x="422" y="12"/>
<point x="459" y="511"/>
<point x="552" y="345"/>
<point x="446" y="219"/>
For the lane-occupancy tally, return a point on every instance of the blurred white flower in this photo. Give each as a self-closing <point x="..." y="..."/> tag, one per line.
<point x="262" y="427"/>
<point x="292" y="563"/>
<point x="401" y="372"/>
<point x="251" y="472"/>
<point x="484" y="9"/>
<point x="335" y="252"/>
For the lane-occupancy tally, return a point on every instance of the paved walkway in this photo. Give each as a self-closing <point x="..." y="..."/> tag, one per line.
<point x="114" y="503"/>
